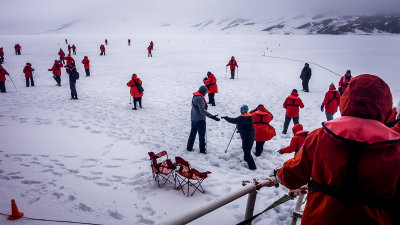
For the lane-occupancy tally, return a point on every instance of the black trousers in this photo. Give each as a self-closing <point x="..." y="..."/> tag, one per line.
<point x="232" y="73"/>
<point x="287" y="121"/>
<point x="18" y="52"/>
<point x="58" y="79"/>
<point x="198" y="126"/>
<point x="74" y="52"/>
<point x="27" y="81"/>
<point x="102" y="53"/>
<point x="87" y="71"/>
<point x="149" y="54"/>
<point x="2" y="86"/>
<point x="72" y="86"/>
<point x="1" y="59"/>
<point x="135" y="100"/>
<point x="305" y="84"/>
<point x="62" y="60"/>
<point x="211" y="99"/>
<point x="247" y="145"/>
<point x="259" y="147"/>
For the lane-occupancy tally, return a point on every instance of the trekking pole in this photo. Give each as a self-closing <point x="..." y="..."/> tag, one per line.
<point x="12" y="82"/>
<point x="230" y="140"/>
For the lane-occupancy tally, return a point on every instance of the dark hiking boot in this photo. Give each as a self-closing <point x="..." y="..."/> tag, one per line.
<point x="134" y="108"/>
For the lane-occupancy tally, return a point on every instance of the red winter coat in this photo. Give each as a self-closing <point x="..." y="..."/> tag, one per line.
<point x="28" y="70"/>
<point x="17" y="47"/>
<point x="73" y="47"/>
<point x="102" y="48"/>
<point x="151" y="44"/>
<point x="69" y="47"/>
<point x="61" y="54"/>
<point x="56" y="68"/>
<point x="292" y="104"/>
<point x="3" y="74"/>
<point x="86" y="62"/>
<point x="261" y="119"/>
<point x="134" y="90"/>
<point x="69" y="60"/>
<point x="343" y="83"/>
<point x="297" y="140"/>
<point x="1" y="52"/>
<point x="211" y="84"/>
<point x="324" y="160"/>
<point x="331" y="100"/>
<point x="129" y="40"/>
<point x="232" y="64"/>
<point x="149" y="48"/>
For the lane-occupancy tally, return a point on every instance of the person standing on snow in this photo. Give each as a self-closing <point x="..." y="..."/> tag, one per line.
<point x="66" y="41"/>
<point x="86" y="64"/>
<point x="151" y="45"/>
<point x="136" y="90"/>
<point x="57" y="71"/>
<point x="73" y="49"/>
<point x="102" y="50"/>
<point x="70" y="60"/>
<point x="211" y="83"/>
<point x="264" y="132"/>
<point x="69" y="49"/>
<point x="331" y="102"/>
<point x="351" y="164"/>
<point x="149" y="51"/>
<point x="198" y="119"/>
<point x="247" y="134"/>
<point x="129" y="42"/>
<point x="297" y="140"/>
<point x="17" y="48"/>
<point x="292" y="105"/>
<point x="106" y="41"/>
<point x="3" y="74"/>
<point x="305" y="77"/>
<point x="62" y="56"/>
<point x="1" y="55"/>
<point x="73" y="76"/>
<point x="28" y="71"/>
<point x="232" y="65"/>
<point x="344" y="82"/>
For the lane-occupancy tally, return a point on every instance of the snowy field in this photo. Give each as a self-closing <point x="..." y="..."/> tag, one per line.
<point x="87" y="160"/>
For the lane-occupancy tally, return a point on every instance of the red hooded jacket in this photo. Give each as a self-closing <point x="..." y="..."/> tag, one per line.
<point x="3" y="74"/>
<point x="28" y="70"/>
<point x="292" y="104"/>
<point x="297" y="140"/>
<point x="56" y="68"/>
<point x="17" y="47"/>
<point x="232" y="64"/>
<point x="211" y="84"/>
<point x="61" y="54"/>
<point x="1" y="52"/>
<point x="261" y="119"/>
<point x="69" y="60"/>
<point x="86" y="62"/>
<point x="149" y="48"/>
<point x="102" y="48"/>
<point x="343" y="83"/>
<point x="373" y="175"/>
<point x="331" y="100"/>
<point x="134" y="90"/>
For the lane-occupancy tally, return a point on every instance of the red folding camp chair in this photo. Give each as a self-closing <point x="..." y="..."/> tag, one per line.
<point x="164" y="169"/>
<point x="186" y="176"/>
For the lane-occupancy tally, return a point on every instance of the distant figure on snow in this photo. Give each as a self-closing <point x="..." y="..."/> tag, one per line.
<point x="102" y="50"/>
<point x="305" y="77"/>
<point x="136" y="90"/>
<point x="1" y="55"/>
<point x="66" y="41"/>
<point x="247" y="134"/>
<point x="57" y="71"/>
<point x="74" y="49"/>
<point x="129" y="42"/>
<point x="232" y="65"/>
<point x="198" y="119"/>
<point x="17" y="48"/>
<point x="151" y="45"/>
<point x="28" y="71"/>
<point x="149" y="51"/>
<point x="106" y="41"/>
<point x="344" y="82"/>
<point x="86" y="64"/>
<point x="62" y="55"/>
<point x="264" y="131"/>
<point x="73" y="76"/>
<point x="70" y="60"/>
<point x="297" y="140"/>
<point x="292" y="105"/>
<point x="69" y="49"/>
<point x="331" y="102"/>
<point x="211" y="83"/>
<point x="3" y="74"/>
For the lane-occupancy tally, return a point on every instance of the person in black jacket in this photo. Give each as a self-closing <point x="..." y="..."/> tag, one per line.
<point x="73" y="76"/>
<point x="246" y="130"/>
<point x="305" y="77"/>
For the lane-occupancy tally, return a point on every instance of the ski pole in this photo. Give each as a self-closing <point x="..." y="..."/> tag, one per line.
<point x="230" y="140"/>
<point x="12" y="82"/>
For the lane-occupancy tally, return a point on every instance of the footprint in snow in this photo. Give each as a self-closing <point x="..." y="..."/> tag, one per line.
<point x="103" y="184"/>
<point x="30" y="182"/>
<point x="115" y="215"/>
<point x="84" y="207"/>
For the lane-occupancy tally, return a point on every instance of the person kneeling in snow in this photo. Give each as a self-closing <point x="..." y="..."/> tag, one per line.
<point x="246" y="130"/>
<point x="264" y="131"/>
<point x="198" y="118"/>
<point x="297" y="140"/>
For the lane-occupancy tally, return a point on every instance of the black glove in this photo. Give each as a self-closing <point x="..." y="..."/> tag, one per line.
<point x="215" y="117"/>
<point x="280" y="151"/>
<point x="322" y="108"/>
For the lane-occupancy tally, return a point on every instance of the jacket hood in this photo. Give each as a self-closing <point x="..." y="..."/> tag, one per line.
<point x="134" y="76"/>
<point x="85" y="57"/>
<point x="296" y="128"/>
<point x="332" y="89"/>
<point x="261" y="108"/>
<point x="203" y="90"/>
<point x="368" y="97"/>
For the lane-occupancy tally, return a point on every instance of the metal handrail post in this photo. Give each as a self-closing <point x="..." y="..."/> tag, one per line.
<point x="251" y="201"/>
<point x="297" y="209"/>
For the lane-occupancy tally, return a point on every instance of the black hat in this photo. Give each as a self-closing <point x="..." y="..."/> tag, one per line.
<point x="294" y="90"/>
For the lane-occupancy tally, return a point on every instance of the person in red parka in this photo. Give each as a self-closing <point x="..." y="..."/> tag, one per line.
<point x="28" y="71"/>
<point x="3" y="74"/>
<point x="86" y="64"/>
<point x="297" y="140"/>
<point x="149" y="51"/>
<point x="129" y="42"/>
<point x="73" y="49"/>
<point x="151" y="45"/>
<point x="102" y="50"/>
<point x="1" y="55"/>
<point x="62" y="56"/>
<point x="264" y="131"/>
<point x="211" y="83"/>
<point x="69" y="49"/>
<point x="344" y="82"/>
<point x="17" y="48"/>
<point x="352" y="163"/>
<point x="106" y="41"/>
<point x="135" y="84"/>
<point x="70" y="60"/>
<point x="331" y="102"/>
<point x="57" y="71"/>
<point x="292" y="105"/>
<point x="232" y="65"/>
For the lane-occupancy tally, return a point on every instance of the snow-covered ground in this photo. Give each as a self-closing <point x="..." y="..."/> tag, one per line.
<point x="87" y="160"/>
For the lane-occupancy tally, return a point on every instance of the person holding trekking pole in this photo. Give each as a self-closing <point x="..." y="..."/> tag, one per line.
<point x="3" y="74"/>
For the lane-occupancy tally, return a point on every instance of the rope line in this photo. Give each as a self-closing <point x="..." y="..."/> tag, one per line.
<point x="297" y="60"/>
<point x="57" y="221"/>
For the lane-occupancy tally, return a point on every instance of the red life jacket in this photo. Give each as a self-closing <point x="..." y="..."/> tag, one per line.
<point x="199" y="94"/>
